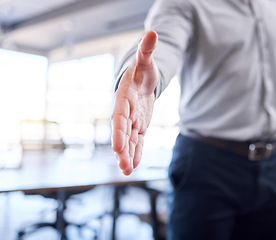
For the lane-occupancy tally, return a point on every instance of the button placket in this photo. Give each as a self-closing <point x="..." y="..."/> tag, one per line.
<point x="264" y="62"/>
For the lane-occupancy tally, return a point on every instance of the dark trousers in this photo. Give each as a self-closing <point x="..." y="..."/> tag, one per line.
<point x="218" y="195"/>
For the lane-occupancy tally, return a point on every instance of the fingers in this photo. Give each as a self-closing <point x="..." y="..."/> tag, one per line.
<point x="120" y="123"/>
<point x="128" y="143"/>
<point x="132" y="150"/>
<point x="124" y="139"/>
<point x="125" y="155"/>
<point x="135" y="151"/>
<point x="146" y="47"/>
<point x="138" y="152"/>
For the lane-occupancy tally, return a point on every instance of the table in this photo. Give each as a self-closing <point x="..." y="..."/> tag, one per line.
<point x="59" y="172"/>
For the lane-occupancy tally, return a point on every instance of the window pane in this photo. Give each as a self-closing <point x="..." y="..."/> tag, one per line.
<point x="79" y="93"/>
<point x="22" y="91"/>
<point x="22" y="85"/>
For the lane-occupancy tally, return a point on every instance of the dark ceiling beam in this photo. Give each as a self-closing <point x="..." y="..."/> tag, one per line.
<point x="57" y="13"/>
<point x="30" y="50"/>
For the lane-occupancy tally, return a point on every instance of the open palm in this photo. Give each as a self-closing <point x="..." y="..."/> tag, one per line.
<point x="133" y="107"/>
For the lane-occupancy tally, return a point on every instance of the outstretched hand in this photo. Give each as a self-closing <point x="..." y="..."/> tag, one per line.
<point x="134" y="100"/>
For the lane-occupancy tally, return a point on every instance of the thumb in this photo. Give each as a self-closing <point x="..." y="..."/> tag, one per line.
<point x="146" y="47"/>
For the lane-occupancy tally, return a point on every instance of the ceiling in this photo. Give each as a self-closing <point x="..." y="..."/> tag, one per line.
<point x="40" y="26"/>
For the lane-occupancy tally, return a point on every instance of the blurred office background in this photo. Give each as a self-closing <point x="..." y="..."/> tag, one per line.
<point x="57" y="62"/>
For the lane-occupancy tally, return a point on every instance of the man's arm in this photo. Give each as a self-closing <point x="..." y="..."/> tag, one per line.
<point x="134" y="100"/>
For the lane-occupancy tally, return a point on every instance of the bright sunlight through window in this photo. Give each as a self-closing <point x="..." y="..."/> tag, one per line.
<point x="22" y="90"/>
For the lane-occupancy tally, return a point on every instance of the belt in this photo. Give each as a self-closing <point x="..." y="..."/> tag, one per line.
<point x="255" y="151"/>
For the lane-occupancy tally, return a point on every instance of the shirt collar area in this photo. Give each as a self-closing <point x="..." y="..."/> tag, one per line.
<point x="245" y="1"/>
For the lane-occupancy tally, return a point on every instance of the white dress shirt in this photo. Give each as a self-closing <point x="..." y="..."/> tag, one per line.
<point x="225" y="53"/>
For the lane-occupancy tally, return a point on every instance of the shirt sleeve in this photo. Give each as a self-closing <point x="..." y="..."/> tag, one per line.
<point x="173" y="22"/>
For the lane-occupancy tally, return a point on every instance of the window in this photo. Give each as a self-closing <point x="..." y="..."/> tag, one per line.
<point x="22" y="91"/>
<point x="163" y="128"/>
<point x="80" y="94"/>
<point x="22" y="96"/>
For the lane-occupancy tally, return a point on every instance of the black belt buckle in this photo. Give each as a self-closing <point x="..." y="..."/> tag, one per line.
<point x="259" y="150"/>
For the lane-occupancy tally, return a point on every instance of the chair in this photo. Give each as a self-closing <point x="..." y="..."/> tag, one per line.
<point x="102" y="128"/>
<point x="40" y="135"/>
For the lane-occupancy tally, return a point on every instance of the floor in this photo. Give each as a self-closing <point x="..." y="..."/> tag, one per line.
<point x="18" y="210"/>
